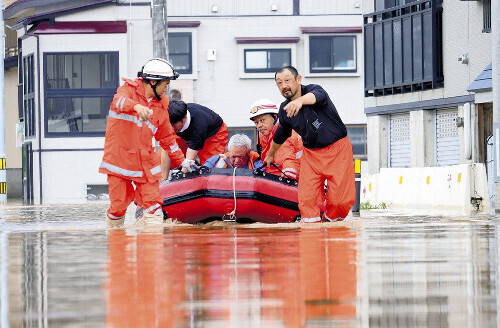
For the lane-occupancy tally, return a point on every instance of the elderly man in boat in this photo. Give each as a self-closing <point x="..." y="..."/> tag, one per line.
<point x="264" y="114"/>
<point x="240" y="155"/>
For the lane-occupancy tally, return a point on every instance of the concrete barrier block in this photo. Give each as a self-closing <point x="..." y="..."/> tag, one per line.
<point x="453" y="188"/>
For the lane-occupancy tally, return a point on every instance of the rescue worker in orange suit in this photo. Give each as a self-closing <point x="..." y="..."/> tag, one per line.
<point x="327" y="153"/>
<point x="240" y="155"/>
<point x="204" y="131"/>
<point x="264" y="113"/>
<point x="139" y="112"/>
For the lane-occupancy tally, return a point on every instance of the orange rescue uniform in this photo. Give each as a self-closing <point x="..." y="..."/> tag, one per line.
<point x="327" y="156"/>
<point x="214" y="145"/>
<point x="129" y="155"/>
<point x="288" y="155"/>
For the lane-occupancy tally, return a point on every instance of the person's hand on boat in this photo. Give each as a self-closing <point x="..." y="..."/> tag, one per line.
<point x="143" y="112"/>
<point x="189" y="165"/>
<point x="268" y="160"/>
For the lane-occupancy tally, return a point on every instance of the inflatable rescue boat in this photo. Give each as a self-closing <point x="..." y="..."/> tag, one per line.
<point x="230" y="194"/>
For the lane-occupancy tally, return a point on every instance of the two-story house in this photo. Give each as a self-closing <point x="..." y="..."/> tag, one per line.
<point x="71" y="55"/>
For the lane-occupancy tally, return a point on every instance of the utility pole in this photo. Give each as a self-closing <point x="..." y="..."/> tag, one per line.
<point x="3" y="173"/>
<point x="160" y="29"/>
<point x="160" y="36"/>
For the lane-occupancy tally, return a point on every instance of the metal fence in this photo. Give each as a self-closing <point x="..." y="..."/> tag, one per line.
<point x="403" y="48"/>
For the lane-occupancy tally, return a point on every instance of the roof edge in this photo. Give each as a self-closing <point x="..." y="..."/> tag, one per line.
<point x="51" y="15"/>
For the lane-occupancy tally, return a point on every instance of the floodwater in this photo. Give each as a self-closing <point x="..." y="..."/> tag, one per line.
<point x="59" y="267"/>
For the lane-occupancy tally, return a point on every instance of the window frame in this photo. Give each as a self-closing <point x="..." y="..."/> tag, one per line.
<point x="364" y="126"/>
<point x="263" y="46"/>
<point x="189" y="53"/>
<point x="194" y="50"/>
<point x="333" y="72"/>
<point x="82" y="93"/>
<point x="268" y="52"/>
<point x="27" y="90"/>
<point x="251" y="132"/>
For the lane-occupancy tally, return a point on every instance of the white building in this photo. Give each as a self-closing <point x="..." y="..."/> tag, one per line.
<point x="423" y="60"/>
<point x="73" y="53"/>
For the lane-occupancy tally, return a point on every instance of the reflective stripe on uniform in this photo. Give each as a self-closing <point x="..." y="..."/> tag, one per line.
<point x="331" y="220"/>
<point x="310" y="220"/>
<point x="119" y="170"/>
<point x="151" y="208"/>
<point x="155" y="170"/>
<point x="119" y="103"/>
<point x="133" y="119"/>
<point x="112" y="217"/>
<point x="290" y="170"/>
<point x="298" y="154"/>
<point x="125" y="117"/>
<point x="151" y="127"/>
<point x="174" y="148"/>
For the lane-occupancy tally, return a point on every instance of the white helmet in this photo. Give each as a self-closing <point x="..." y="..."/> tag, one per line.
<point x="263" y="106"/>
<point x="158" y="69"/>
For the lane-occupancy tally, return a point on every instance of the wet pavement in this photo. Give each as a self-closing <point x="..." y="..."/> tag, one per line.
<point x="59" y="267"/>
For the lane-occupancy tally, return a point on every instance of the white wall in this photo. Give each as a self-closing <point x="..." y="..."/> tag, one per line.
<point x="219" y="86"/>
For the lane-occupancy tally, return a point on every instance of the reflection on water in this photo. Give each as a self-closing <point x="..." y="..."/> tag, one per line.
<point x="60" y="267"/>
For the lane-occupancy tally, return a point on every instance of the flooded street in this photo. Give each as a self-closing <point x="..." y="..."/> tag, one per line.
<point x="61" y="268"/>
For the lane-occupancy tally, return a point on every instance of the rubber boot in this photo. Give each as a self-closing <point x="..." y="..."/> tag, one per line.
<point x="153" y="219"/>
<point x="117" y="223"/>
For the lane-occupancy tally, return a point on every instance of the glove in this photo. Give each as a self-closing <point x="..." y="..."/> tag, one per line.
<point x="189" y="165"/>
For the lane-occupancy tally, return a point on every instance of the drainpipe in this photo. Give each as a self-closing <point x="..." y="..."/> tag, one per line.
<point x="495" y="76"/>
<point x="467" y="131"/>
<point x="39" y="117"/>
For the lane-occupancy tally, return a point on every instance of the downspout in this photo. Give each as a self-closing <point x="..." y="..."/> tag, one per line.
<point x="26" y="33"/>
<point x="467" y="131"/>
<point x="495" y="76"/>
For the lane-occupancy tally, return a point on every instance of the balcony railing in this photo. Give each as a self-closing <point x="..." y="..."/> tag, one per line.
<point x="403" y="48"/>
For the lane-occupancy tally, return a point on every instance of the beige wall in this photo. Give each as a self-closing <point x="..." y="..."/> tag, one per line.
<point x="13" y="154"/>
<point x="462" y="34"/>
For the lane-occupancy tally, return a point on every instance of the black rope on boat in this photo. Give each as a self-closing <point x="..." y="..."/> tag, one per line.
<point x="256" y="170"/>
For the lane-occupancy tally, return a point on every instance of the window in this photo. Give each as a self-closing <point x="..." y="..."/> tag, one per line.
<point x="180" y="52"/>
<point x="487" y="16"/>
<point x="266" y="60"/>
<point x="331" y="54"/>
<point x="261" y="57"/>
<point x="357" y="135"/>
<point x="28" y="93"/>
<point x="79" y="88"/>
<point x="386" y="4"/>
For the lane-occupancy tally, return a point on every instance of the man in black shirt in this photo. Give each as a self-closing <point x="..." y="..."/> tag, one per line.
<point x="327" y="150"/>
<point x="204" y="131"/>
